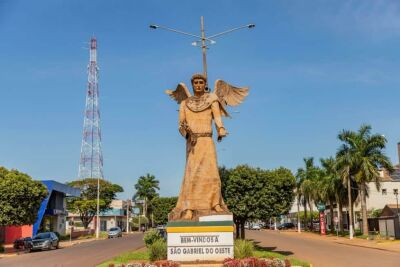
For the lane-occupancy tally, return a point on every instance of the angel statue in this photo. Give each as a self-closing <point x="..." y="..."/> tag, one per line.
<point x="200" y="193"/>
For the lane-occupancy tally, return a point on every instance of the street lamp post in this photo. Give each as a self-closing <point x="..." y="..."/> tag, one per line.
<point x="396" y="193"/>
<point x="202" y="40"/>
<point x="98" y="210"/>
<point x="127" y="215"/>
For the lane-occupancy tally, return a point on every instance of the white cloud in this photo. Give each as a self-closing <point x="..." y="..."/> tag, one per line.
<point x="379" y="19"/>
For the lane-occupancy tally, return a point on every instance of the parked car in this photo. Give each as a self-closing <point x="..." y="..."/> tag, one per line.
<point x="284" y="226"/>
<point x="255" y="227"/>
<point x="22" y="243"/>
<point x="41" y="241"/>
<point x="114" y="232"/>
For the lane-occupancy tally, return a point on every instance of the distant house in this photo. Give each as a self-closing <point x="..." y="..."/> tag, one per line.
<point x="389" y="221"/>
<point x="115" y="216"/>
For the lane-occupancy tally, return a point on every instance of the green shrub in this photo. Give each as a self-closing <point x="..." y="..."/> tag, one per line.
<point x="243" y="249"/>
<point x="158" y="250"/>
<point x="151" y="236"/>
<point x="102" y="234"/>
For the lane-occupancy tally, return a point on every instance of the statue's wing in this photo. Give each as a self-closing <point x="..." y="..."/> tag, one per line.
<point x="229" y="94"/>
<point x="181" y="93"/>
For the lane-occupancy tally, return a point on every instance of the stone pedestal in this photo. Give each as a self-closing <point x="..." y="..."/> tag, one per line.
<point x="209" y="239"/>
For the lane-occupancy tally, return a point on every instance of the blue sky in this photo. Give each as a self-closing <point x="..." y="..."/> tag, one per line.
<point x="314" y="68"/>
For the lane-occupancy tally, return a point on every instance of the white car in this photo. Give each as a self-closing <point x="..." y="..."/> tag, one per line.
<point x="256" y="227"/>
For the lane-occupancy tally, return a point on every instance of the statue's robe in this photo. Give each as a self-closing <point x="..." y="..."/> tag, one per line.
<point x="201" y="186"/>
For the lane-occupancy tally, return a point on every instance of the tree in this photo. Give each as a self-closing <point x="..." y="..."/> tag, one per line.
<point x="138" y="220"/>
<point x="362" y="157"/>
<point x="315" y="215"/>
<point x="327" y="185"/>
<point x="146" y="187"/>
<point x="86" y="204"/>
<point x="341" y="195"/>
<point x="256" y="194"/>
<point x="161" y="206"/>
<point x="20" y="197"/>
<point x="307" y="186"/>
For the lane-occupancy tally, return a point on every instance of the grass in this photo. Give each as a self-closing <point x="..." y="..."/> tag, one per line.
<point x="139" y="255"/>
<point x="143" y="255"/>
<point x="262" y="253"/>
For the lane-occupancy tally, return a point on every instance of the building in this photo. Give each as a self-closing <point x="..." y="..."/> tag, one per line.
<point x="389" y="221"/>
<point x="51" y="215"/>
<point x="115" y="216"/>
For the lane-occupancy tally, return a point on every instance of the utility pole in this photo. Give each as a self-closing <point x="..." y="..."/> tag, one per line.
<point x="298" y="217"/>
<point x="350" y="209"/>
<point x="396" y="193"/>
<point x="139" y="223"/>
<point x="203" y="47"/>
<point x="127" y="215"/>
<point x="98" y="210"/>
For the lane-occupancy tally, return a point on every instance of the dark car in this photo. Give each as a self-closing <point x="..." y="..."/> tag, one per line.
<point x="284" y="226"/>
<point x="162" y="230"/>
<point x="41" y="241"/>
<point x="22" y="243"/>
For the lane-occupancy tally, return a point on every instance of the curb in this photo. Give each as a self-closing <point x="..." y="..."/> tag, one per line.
<point x="338" y="241"/>
<point x="361" y="246"/>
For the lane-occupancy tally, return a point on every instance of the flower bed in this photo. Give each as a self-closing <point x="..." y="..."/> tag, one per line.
<point x="256" y="262"/>
<point x="143" y="264"/>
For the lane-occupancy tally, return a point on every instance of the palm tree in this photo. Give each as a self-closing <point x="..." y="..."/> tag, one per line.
<point x="340" y="195"/>
<point x="344" y="165"/>
<point x="306" y="181"/>
<point x="361" y="157"/>
<point x="146" y="190"/>
<point x="327" y="185"/>
<point x="299" y="199"/>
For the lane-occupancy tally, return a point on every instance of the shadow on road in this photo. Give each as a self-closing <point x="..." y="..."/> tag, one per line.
<point x="271" y="249"/>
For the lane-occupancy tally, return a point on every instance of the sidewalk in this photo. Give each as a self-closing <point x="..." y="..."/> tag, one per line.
<point x="388" y="245"/>
<point x="10" y="251"/>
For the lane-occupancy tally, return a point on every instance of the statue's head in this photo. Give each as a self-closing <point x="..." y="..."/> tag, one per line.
<point x="199" y="82"/>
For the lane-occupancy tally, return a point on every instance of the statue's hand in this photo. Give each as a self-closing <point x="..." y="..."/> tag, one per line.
<point x="221" y="133"/>
<point x="183" y="131"/>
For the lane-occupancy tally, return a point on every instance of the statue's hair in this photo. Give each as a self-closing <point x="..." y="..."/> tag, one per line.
<point x="198" y="76"/>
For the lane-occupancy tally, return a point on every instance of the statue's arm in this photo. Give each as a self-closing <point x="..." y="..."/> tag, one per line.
<point x="216" y="111"/>
<point x="182" y="121"/>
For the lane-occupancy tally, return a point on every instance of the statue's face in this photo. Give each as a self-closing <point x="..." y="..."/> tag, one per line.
<point x="199" y="86"/>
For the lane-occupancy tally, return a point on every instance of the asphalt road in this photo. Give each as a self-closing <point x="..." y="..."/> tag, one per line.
<point x="82" y="255"/>
<point x="324" y="253"/>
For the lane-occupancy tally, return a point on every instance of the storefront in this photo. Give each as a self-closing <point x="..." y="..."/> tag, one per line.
<point x="51" y="215"/>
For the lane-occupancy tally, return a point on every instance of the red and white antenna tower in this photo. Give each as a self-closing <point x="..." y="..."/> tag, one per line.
<point x="91" y="162"/>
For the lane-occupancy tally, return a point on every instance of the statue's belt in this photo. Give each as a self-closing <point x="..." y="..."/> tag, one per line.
<point x="193" y="137"/>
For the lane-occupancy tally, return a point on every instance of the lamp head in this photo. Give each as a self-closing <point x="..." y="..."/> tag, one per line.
<point x="250" y="26"/>
<point x="153" y="26"/>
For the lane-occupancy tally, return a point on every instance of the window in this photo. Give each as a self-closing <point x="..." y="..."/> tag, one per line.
<point x="384" y="192"/>
<point x="396" y="191"/>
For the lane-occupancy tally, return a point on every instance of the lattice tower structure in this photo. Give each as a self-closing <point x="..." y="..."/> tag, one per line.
<point x="91" y="160"/>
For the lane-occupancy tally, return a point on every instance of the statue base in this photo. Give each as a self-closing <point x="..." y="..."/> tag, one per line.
<point x="209" y="239"/>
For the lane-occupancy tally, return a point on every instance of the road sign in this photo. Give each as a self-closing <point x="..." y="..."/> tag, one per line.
<point x="321" y="207"/>
<point x="322" y="226"/>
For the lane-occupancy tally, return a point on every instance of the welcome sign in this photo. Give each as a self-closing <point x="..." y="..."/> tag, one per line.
<point x="200" y="246"/>
<point x="200" y="241"/>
